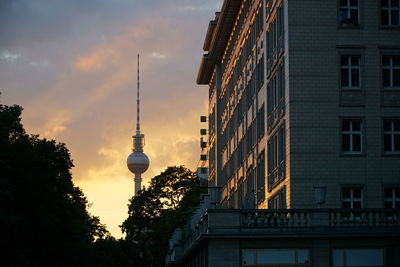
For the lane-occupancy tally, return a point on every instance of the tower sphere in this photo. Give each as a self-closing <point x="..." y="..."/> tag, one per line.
<point x="138" y="162"/>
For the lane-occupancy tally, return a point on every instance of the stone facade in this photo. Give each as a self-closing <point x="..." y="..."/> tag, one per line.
<point x="284" y="71"/>
<point x="304" y="135"/>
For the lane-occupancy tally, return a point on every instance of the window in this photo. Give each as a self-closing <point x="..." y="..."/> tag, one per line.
<point x="274" y="257"/>
<point x="275" y="36"/>
<point x="240" y="193"/>
<point x="391" y="71"/>
<point x="276" y="157"/>
<point x="391" y="136"/>
<point x="231" y="199"/>
<point x="249" y="187"/>
<point x="260" y="178"/>
<point x="350" y="72"/>
<point x="278" y="201"/>
<point x="352" y="198"/>
<point x="276" y="97"/>
<point x="349" y="12"/>
<point x="358" y="257"/>
<point x="390" y="12"/>
<point x="392" y="196"/>
<point x="260" y="123"/>
<point x="352" y="136"/>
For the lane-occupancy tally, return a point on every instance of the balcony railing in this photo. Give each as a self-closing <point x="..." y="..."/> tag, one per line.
<point x="291" y="221"/>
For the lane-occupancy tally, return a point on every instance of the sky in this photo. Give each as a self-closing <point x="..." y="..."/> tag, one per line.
<point x="71" y="65"/>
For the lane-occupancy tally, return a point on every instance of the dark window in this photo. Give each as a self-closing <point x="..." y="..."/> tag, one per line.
<point x="391" y="71"/>
<point x="231" y="200"/>
<point x="392" y="196"/>
<point x="249" y="187"/>
<point x="240" y="192"/>
<point x="276" y="157"/>
<point x="278" y="201"/>
<point x="260" y="178"/>
<point x="358" y="257"/>
<point x="349" y="12"/>
<point x="276" y="97"/>
<point x="352" y="198"/>
<point x="390" y="12"/>
<point x="352" y="136"/>
<point x="260" y="123"/>
<point x="391" y="136"/>
<point x="275" y="257"/>
<point x="275" y="39"/>
<point x="350" y="72"/>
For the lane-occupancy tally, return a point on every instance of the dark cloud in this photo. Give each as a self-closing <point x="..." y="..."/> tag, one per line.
<point x="25" y="21"/>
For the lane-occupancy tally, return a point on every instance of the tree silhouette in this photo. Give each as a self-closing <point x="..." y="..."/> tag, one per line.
<point x="43" y="216"/>
<point x="161" y="208"/>
<point x="44" y="219"/>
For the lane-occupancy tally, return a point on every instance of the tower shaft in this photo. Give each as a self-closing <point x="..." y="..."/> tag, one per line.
<point x="138" y="183"/>
<point x="138" y="100"/>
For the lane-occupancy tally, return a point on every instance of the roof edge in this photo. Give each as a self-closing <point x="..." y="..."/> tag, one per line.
<point x="217" y="39"/>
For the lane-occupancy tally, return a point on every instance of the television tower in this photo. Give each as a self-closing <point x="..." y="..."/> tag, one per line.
<point x="138" y="162"/>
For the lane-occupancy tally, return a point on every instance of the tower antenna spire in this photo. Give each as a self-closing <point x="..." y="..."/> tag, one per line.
<point x="138" y="100"/>
<point x="137" y="161"/>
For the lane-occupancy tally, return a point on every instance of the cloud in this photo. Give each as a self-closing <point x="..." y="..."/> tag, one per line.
<point x="187" y="8"/>
<point x="39" y="64"/>
<point x="95" y="60"/>
<point x="114" y="167"/>
<point x="157" y="55"/>
<point x="56" y="124"/>
<point x="9" y="56"/>
<point x="200" y="7"/>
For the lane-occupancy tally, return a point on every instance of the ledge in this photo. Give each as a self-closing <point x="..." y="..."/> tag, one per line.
<point x="217" y="38"/>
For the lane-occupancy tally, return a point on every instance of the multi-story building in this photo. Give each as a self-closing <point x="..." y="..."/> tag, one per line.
<point x="304" y="135"/>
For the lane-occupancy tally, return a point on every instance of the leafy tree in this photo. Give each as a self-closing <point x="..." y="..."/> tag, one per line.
<point x="161" y="208"/>
<point x="108" y="251"/>
<point x="43" y="216"/>
<point x="44" y="219"/>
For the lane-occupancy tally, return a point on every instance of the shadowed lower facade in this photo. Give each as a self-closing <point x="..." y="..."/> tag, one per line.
<point x="303" y="136"/>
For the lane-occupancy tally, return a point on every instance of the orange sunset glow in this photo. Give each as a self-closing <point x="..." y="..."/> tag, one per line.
<point x="72" y="66"/>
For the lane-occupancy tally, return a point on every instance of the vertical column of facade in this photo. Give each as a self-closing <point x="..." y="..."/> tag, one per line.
<point x="278" y="174"/>
<point x="218" y="110"/>
<point x="242" y="111"/>
<point x="212" y="132"/>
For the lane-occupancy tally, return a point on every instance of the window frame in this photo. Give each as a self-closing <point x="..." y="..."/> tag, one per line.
<point x="346" y="250"/>
<point x="392" y="133"/>
<point x="351" y="199"/>
<point x="260" y="183"/>
<point x="390" y="54"/>
<point x="349" y="67"/>
<point x="278" y="199"/>
<point x="351" y="132"/>
<point x="389" y="8"/>
<point x="296" y="255"/>
<point x="393" y="199"/>
<point x="276" y="156"/>
<point x="341" y="23"/>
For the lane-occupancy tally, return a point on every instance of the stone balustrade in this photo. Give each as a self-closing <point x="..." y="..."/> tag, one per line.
<point x="288" y="221"/>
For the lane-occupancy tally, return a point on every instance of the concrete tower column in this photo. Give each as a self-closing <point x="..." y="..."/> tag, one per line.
<point x="138" y="183"/>
<point x="138" y="162"/>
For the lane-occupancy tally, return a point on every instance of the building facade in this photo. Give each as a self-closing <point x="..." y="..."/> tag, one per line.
<point x="304" y="135"/>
